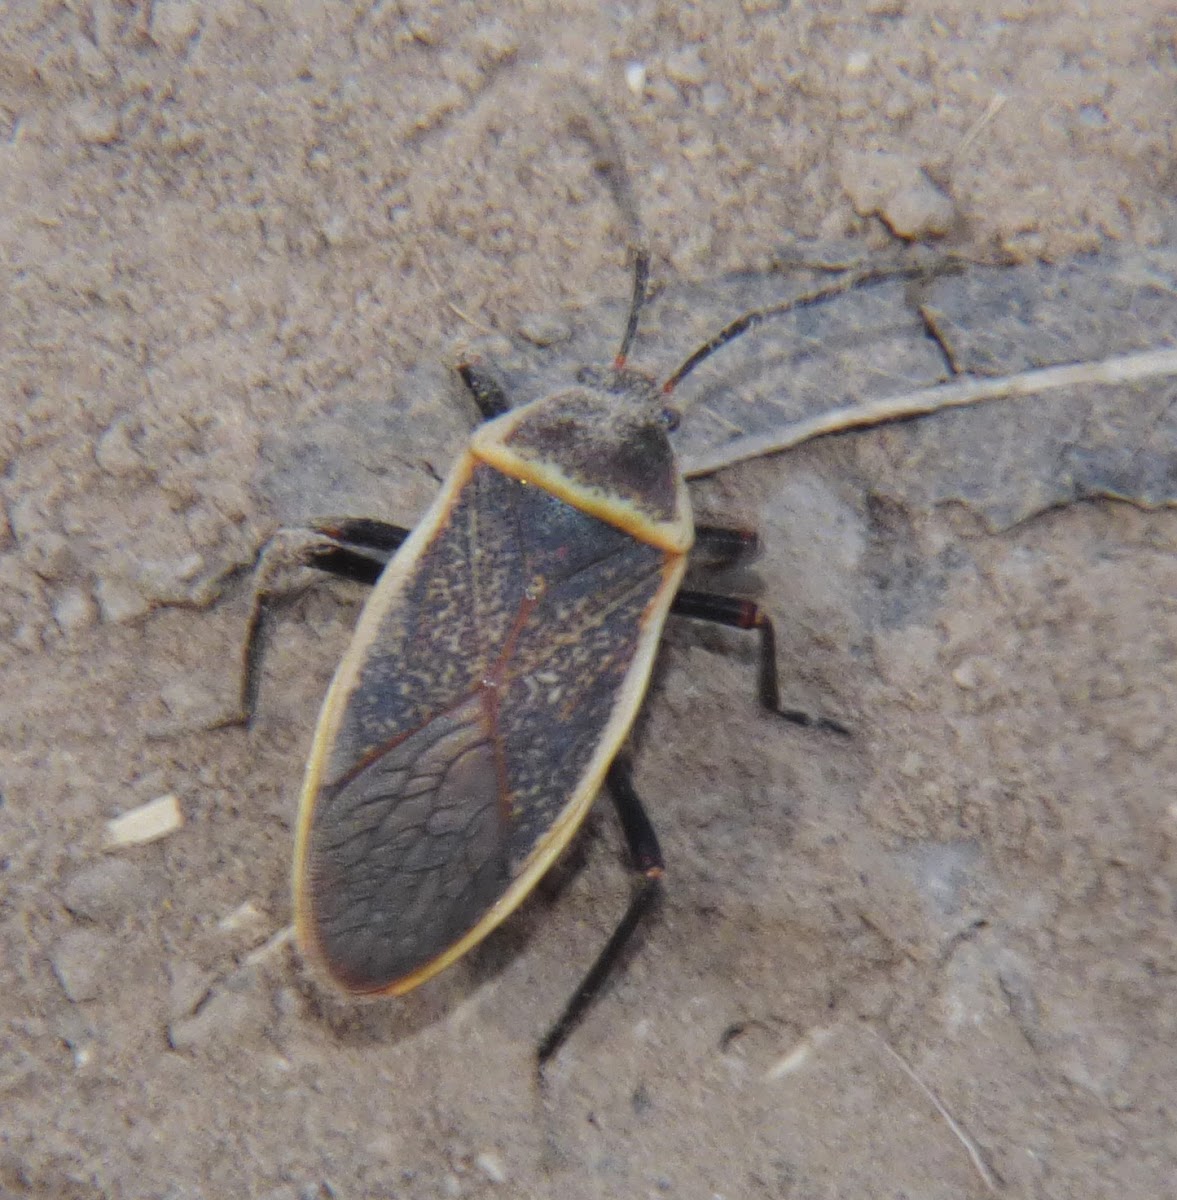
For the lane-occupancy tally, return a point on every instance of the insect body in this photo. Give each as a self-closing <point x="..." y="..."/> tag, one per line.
<point x="497" y="669"/>
<point x="494" y="674"/>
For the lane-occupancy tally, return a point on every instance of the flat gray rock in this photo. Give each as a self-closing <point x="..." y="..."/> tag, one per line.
<point x="1006" y="460"/>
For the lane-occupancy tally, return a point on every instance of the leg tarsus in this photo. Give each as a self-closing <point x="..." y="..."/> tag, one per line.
<point x="744" y="614"/>
<point x="256" y="636"/>
<point x="770" y="695"/>
<point x="643" y="900"/>
<point x="284" y="551"/>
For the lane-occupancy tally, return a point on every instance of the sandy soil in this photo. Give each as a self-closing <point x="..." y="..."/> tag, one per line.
<point x="222" y="220"/>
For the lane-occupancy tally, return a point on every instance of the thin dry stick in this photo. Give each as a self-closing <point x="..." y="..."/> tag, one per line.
<point x="967" y="1142"/>
<point x="1128" y="368"/>
<point x="987" y="117"/>
<point x="431" y="274"/>
<point x="274" y="942"/>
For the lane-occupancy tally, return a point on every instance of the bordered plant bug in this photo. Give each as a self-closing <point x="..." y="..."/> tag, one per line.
<point x="500" y="662"/>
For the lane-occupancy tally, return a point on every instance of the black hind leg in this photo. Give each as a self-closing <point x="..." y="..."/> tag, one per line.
<point x="646" y="857"/>
<point x="743" y="614"/>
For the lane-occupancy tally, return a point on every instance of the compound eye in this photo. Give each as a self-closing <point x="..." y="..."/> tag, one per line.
<point x="669" y="419"/>
<point x="588" y="375"/>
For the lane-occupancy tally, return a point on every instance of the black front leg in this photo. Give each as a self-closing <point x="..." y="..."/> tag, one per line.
<point x="355" y="548"/>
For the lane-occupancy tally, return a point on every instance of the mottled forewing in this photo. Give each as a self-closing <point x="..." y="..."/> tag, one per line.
<point x="499" y="655"/>
<point x="571" y="656"/>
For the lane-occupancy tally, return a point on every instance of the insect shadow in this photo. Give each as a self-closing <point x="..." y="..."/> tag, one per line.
<point x="501" y="660"/>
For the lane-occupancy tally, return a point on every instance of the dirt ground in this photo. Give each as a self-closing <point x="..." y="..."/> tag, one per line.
<point x="936" y="961"/>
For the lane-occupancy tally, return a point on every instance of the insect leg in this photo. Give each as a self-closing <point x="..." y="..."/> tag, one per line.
<point x="350" y="548"/>
<point x="743" y="614"/>
<point x="589" y="122"/>
<point x="488" y="393"/>
<point x="640" y="838"/>
<point x="846" y="282"/>
<point x="647" y="859"/>
<point x="365" y="532"/>
<point x="721" y="546"/>
<point x="355" y="548"/>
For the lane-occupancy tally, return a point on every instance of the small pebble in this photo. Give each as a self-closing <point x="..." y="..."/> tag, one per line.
<point x="190" y="702"/>
<point x="543" y="330"/>
<point x="495" y="42"/>
<point x="635" y="78"/>
<point x="919" y="211"/>
<point x="168" y="580"/>
<point x="334" y="229"/>
<point x="76" y="1031"/>
<point x="81" y="961"/>
<point x="91" y="61"/>
<point x="244" y="916"/>
<point x="228" y="1014"/>
<point x="714" y="97"/>
<point x="73" y="610"/>
<point x="686" y="67"/>
<point x="897" y="190"/>
<point x="858" y="64"/>
<point x="174" y="23"/>
<point x="119" y="601"/>
<point x="491" y="1165"/>
<point x="147" y="823"/>
<point x="1093" y="116"/>
<point x="96" y="122"/>
<point x="48" y="554"/>
<point x="115" y="450"/>
<point x="188" y="984"/>
<point x="105" y="890"/>
<point x="965" y="676"/>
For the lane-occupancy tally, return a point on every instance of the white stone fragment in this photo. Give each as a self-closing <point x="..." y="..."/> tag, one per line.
<point x="147" y="823"/>
<point x="491" y="1165"/>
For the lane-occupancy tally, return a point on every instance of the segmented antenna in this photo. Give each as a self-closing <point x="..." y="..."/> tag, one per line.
<point x="588" y="122"/>
<point x="757" y="316"/>
<point x="641" y="278"/>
